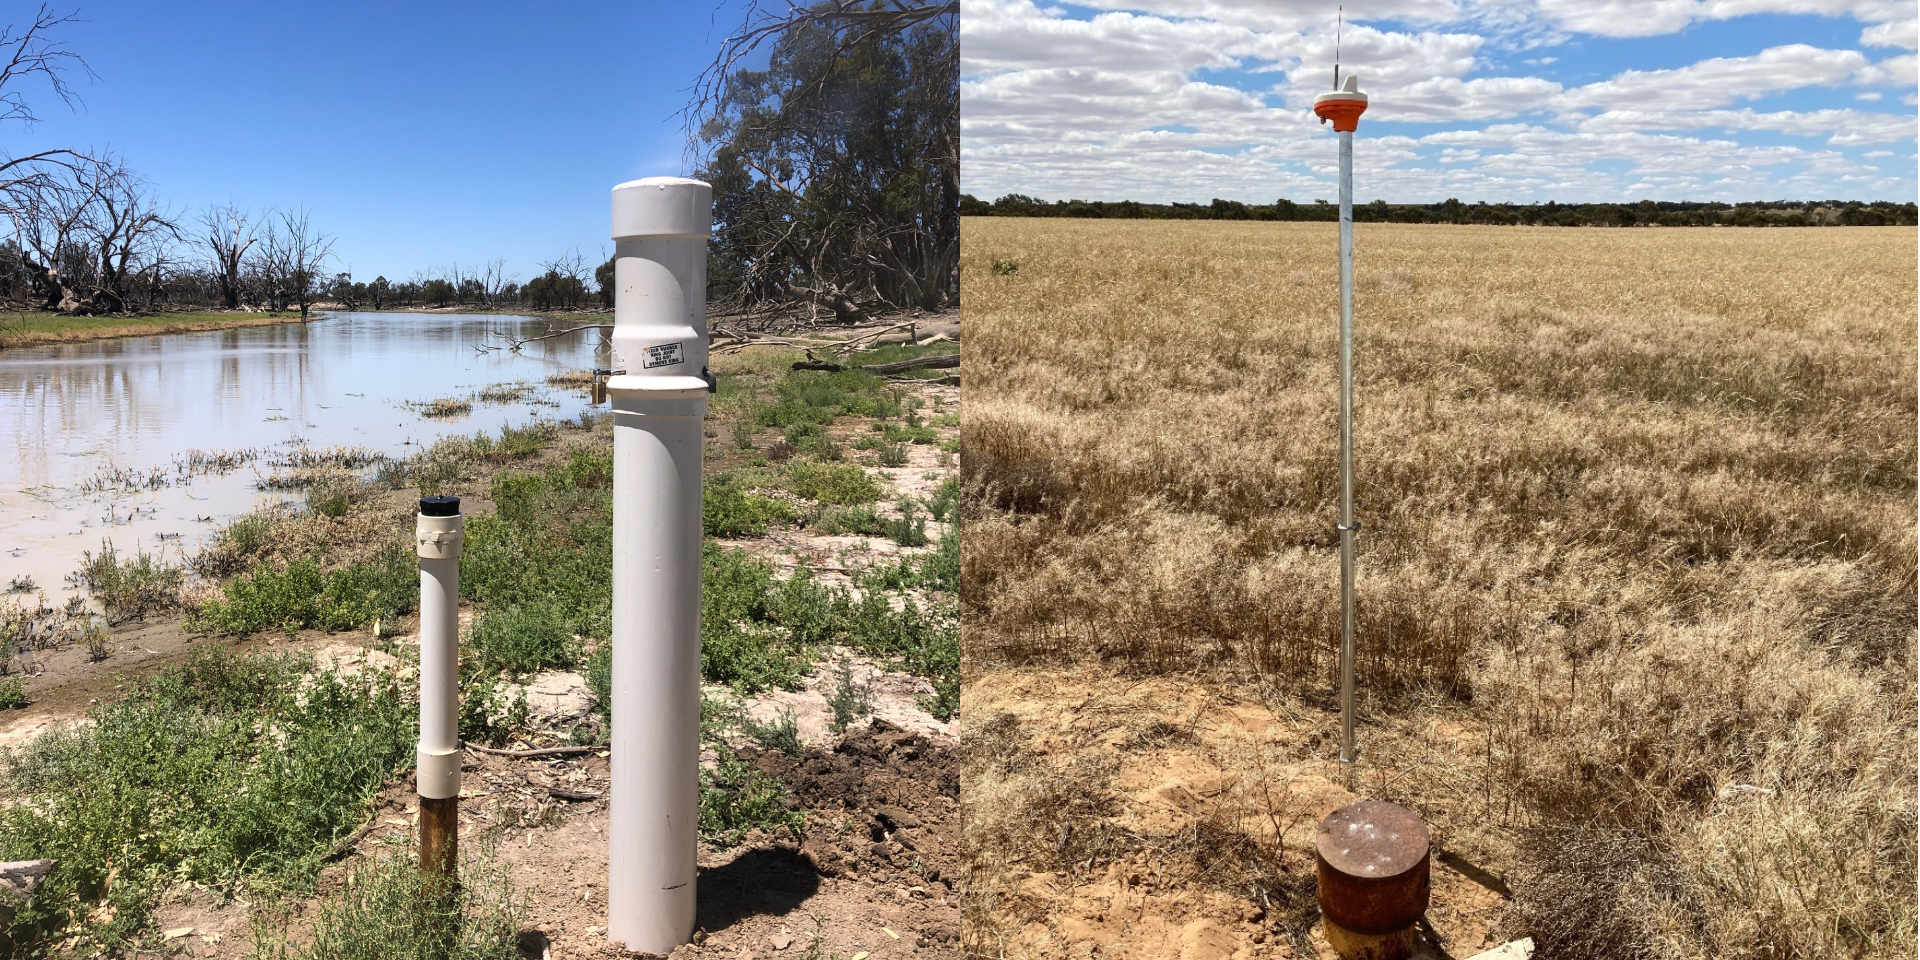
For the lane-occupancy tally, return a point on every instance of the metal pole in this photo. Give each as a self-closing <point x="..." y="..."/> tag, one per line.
<point x="439" y="531"/>
<point x="1348" y="525"/>
<point x="660" y="228"/>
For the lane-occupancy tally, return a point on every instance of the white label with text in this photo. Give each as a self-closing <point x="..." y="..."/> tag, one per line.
<point x="662" y="355"/>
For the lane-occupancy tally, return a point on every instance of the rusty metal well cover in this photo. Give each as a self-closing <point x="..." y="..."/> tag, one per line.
<point x="1374" y="869"/>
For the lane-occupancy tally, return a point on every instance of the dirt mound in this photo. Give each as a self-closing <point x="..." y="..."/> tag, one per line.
<point x="883" y="804"/>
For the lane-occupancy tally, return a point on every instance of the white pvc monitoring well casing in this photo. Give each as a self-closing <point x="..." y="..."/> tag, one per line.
<point x="438" y="541"/>
<point x="660" y="228"/>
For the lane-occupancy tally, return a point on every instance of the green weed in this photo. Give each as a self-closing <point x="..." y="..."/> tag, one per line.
<point x="13" y="693"/>
<point x="726" y="510"/>
<point x="386" y="911"/>
<point x="518" y="639"/>
<point x="838" y="484"/>
<point x="225" y="770"/>
<point x="735" y="798"/>
<point x="132" y="587"/>
<point x="850" y="699"/>
<point x="299" y="595"/>
<point x="783" y="734"/>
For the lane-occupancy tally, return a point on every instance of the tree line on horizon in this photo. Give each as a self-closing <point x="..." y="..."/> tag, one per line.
<point x="1645" y="213"/>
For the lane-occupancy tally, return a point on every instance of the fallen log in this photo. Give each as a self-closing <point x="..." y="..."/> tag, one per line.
<point x="942" y="361"/>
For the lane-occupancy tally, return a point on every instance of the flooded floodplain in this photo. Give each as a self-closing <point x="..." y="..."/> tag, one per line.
<point x="153" y="442"/>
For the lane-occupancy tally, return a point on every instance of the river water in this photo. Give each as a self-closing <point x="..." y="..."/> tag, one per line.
<point x="73" y="414"/>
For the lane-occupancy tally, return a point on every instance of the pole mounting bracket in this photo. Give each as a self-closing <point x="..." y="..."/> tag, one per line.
<point x="1344" y="527"/>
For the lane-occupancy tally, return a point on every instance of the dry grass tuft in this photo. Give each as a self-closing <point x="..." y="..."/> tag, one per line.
<point x="1639" y="518"/>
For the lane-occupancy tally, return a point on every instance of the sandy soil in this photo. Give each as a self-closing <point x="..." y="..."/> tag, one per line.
<point x="1191" y="775"/>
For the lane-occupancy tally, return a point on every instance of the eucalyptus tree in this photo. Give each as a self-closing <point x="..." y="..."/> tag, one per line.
<point x="835" y="168"/>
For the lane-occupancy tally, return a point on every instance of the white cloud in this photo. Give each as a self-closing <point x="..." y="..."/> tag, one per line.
<point x="1899" y="33"/>
<point x="1722" y="80"/>
<point x="1192" y="99"/>
<point x="1871" y="96"/>
<point x="1649" y="18"/>
<point x="1841" y="127"/>
<point x="1291" y="15"/>
<point x="1900" y="71"/>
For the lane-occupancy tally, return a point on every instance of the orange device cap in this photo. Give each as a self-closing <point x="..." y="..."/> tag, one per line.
<point x="1343" y="106"/>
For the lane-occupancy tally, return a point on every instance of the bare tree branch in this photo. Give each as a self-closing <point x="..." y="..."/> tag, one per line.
<point x="33" y="52"/>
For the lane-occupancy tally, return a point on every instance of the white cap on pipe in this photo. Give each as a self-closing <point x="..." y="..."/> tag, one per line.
<point x="439" y="538"/>
<point x="437" y="775"/>
<point x="662" y="207"/>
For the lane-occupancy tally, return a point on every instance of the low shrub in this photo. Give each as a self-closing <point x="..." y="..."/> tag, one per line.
<point x="300" y="595"/>
<point x="519" y="639"/>
<point x="128" y="587"/>
<point x="728" y="511"/>
<point x="385" y="910"/>
<point x="225" y="770"/>
<point x="735" y="798"/>
<point x="838" y="484"/>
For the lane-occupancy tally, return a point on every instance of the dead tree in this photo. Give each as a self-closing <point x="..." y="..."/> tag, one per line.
<point x="31" y="52"/>
<point x="126" y="230"/>
<point x="299" y="252"/>
<point x="226" y="234"/>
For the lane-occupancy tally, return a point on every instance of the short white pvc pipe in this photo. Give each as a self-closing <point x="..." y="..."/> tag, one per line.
<point x="660" y="228"/>
<point x="438" y="541"/>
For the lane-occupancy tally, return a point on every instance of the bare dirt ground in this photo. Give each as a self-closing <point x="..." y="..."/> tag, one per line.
<point x="1165" y="769"/>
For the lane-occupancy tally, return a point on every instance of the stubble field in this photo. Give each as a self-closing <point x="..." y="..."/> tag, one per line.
<point x="1637" y="581"/>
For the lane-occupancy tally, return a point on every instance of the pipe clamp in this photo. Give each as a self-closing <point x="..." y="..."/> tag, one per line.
<point x="437" y="774"/>
<point x="439" y="538"/>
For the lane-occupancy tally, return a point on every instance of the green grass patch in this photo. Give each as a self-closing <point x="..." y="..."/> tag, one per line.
<point x="300" y="595"/>
<point x="937" y="571"/>
<point x="727" y="510"/>
<point x="23" y="328"/>
<point x="385" y="910"/>
<point x="893" y="353"/>
<point x="898" y="433"/>
<point x="518" y="639"/>
<point x="840" y="484"/>
<point x="757" y="630"/>
<point x="945" y="497"/>
<point x="226" y="770"/>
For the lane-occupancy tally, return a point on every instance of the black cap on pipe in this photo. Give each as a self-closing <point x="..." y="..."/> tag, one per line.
<point x="439" y="506"/>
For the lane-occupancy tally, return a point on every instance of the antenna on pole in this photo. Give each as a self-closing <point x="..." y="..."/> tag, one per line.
<point x="1343" y="106"/>
<point x="1338" y="24"/>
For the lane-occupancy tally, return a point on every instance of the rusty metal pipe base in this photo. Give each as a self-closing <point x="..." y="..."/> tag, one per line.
<point x="439" y="836"/>
<point x="1363" y="946"/>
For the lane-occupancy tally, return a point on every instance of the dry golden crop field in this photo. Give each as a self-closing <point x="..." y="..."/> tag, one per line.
<point x="1637" y="583"/>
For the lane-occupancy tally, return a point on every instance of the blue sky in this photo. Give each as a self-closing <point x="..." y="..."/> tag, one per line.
<point x="1496" y="100"/>
<point x="417" y="133"/>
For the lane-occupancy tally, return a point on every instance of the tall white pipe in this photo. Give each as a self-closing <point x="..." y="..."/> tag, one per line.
<point x="439" y="534"/>
<point x="660" y="228"/>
